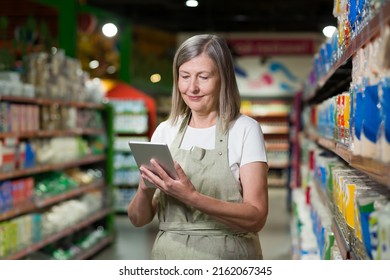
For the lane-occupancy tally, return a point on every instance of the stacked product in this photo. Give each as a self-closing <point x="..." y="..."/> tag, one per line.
<point x="358" y="204"/>
<point x="25" y="230"/>
<point x="57" y="76"/>
<point x="358" y="117"/>
<point x="302" y="227"/>
<point x="130" y="123"/>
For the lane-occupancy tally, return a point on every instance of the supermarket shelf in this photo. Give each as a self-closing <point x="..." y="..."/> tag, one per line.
<point x="50" y="167"/>
<point x="342" y="244"/>
<point x="54" y="133"/>
<point x="80" y="190"/>
<point x="271" y="114"/>
<point x="277" y="165"/>
<point x="277" y="183"/>
<point x="35" y="206"/>
<point x="339" y="75"/>
<point x="369" y="32"/>
<point x="327" y="144"/>
<point x="358" y="250"/>
<point x="271" y="129"/>
<point x="377" y="170"/>
<point x="18" y="210"/>
<point x="264" y="97"/>
<point x="35" y="247"/>
<point x="323" y="196"/>
<point x="45" y="101"/>
<point x="338" y="82"/>
<point x="277" y="146"/>
<point x="86" y="254"/>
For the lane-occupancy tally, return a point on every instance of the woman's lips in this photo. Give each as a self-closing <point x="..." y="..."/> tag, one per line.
<point x="194" y="98"/>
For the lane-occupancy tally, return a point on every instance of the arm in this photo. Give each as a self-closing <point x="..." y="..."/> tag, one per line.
<point x="142" y="207"/>
<point x="250" y="215"/>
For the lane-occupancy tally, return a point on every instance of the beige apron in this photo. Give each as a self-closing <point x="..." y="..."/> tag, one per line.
<point x="186" y="233"/>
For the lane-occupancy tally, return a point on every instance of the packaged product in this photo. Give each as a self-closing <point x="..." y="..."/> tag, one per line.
<point x="365" y="223"/>
<point x="384" y="96"/>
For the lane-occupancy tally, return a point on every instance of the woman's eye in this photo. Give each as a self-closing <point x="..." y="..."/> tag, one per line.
<point x="204" y="78"/>
<point x="184" y="77"/>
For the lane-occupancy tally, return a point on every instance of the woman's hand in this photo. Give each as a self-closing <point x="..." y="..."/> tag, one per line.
<point x="180" y="188"/>
<point x="142" y="208"/>
<point x="248" y="215"/>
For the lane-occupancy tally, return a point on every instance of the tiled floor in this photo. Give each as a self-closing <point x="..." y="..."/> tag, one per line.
<point x="135" y="243"/>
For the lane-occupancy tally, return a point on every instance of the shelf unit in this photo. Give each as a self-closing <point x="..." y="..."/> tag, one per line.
<point x="37" y="205"/>
<point x="336" y="81"/>
<point x="130" y="122"/>
<point x="274" y="114"/>
<point x="378" y="171"/>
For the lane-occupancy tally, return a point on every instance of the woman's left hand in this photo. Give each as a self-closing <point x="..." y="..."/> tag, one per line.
<point x="180" y="188"/>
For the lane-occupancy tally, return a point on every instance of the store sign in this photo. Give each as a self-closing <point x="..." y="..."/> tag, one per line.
<point x="270" y="47"/>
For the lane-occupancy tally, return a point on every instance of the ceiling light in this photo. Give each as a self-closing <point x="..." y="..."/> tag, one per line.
<point x="155" y="78"/>
<point x="93" y="64"/>
<point x="328" y="31"/>
<point x="111" y="69"/>
<point x="109" y="30"/>
<point x="192" y="3"/>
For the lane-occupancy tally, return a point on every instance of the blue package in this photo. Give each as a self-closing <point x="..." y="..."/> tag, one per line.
<point x="371" y="113"/>
<point x="358" y="114"/>
<point x="385" y="102"/>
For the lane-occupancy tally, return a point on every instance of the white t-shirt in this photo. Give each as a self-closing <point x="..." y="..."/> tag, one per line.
<point x="245" y="142"/>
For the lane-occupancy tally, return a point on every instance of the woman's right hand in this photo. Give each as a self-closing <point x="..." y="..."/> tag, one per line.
<point x="142" y="186"/>
<point x="180" y="188"/>
<point x="142" y="207"/>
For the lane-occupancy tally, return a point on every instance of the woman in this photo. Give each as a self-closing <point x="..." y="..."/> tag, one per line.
<point x="219" y="203"/>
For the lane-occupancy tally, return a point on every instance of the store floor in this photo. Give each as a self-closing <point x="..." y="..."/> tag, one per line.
<point x="135" y="243"/>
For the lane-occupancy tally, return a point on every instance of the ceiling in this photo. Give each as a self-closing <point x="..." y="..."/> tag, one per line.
<point x="224" y="15"/>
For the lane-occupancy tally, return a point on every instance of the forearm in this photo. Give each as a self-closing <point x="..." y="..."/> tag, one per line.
<point x="242" y="216"/>
<point x="142" y="208"/>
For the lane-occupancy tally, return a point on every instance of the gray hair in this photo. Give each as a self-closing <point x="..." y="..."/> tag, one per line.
<point x="217" y="49"/>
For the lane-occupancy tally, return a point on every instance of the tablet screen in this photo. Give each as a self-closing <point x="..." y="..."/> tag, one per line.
<point x="143" y="152"/>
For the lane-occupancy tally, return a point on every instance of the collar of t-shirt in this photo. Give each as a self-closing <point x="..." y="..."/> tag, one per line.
<point x="201" y="137"/>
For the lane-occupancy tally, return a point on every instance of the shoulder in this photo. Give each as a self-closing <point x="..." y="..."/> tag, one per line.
<point x="164" y="125"/>
<point x="165" y="132"/>
<point x="244" y="122"/>
<point x="245" y="128"/>
<point x="247" y="120"/>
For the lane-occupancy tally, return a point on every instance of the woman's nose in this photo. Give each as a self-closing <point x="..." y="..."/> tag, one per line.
<point x="194" y="86"/>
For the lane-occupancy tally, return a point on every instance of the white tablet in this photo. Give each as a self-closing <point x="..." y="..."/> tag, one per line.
<point x="143" y="152"/>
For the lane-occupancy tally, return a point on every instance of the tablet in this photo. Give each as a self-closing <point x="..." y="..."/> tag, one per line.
<point x="143" y="152"/>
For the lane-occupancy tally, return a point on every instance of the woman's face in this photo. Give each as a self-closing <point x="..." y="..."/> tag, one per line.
<point x="199" y="83"/>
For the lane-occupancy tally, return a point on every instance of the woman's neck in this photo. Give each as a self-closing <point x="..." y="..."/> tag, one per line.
<point x="203" y="121"/>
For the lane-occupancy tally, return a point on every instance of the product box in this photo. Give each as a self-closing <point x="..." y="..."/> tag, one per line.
<point x="8" y="154"/>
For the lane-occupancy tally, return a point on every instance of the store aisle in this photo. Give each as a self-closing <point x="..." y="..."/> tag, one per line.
<point x="135" y="243"/>
<point x="275" y="237"/>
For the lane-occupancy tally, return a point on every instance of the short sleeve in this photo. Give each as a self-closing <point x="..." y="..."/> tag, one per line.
<point x="253" y="147"/>
<point x="164" y="133"/>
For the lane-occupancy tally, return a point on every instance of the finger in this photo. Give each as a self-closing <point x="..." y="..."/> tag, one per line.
<point x="179" y="170"/>
<point x="159" y="170"/>
<point x="149" y="175"/>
